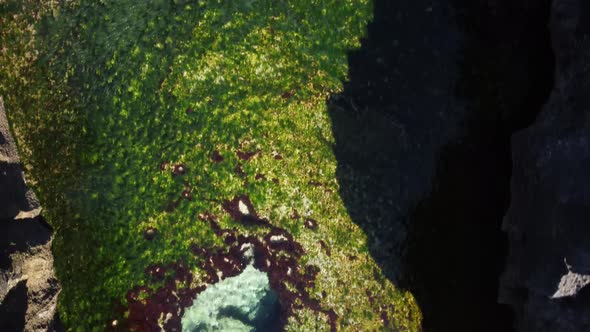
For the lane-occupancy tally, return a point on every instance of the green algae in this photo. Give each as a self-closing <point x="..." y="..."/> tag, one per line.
<point x="107" y="97"/>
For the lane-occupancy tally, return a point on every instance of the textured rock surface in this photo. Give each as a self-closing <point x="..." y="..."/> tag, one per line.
<point x="28" y="287"/>
<point x="548" y="269"/>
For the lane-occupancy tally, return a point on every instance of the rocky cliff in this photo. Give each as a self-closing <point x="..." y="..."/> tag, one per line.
<point x="547" y="276"/>
<point x="28" y="287"/>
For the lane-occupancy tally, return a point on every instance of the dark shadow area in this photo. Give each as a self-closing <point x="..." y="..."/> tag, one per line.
<point x="422" y="135"/>
<point x="506" y="78"/>
<point x="393" y="116"/>
<point x="20" y="236"/>
<point x="14" y="308"/>
<point x="12" y="189"/>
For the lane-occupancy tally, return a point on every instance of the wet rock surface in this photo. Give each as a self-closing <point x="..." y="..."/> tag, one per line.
<point x="28" y="287"/>
<point x="547" y="275"/>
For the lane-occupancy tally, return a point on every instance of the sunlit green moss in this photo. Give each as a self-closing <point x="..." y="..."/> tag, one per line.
<point x="114" y="89"/>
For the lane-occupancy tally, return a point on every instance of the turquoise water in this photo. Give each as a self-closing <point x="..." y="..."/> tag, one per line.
<point x="241" y="303"/>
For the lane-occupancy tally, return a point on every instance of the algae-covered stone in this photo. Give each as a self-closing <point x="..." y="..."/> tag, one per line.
<point x="242" y="303"/>
<point x="152" y="114"/>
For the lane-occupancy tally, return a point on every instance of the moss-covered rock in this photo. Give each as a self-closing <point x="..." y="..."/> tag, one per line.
<point x="166" y="134"/>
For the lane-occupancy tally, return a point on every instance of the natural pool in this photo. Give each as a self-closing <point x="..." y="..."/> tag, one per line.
<point x="162" y="136"/>
<point x="245" y="302"/>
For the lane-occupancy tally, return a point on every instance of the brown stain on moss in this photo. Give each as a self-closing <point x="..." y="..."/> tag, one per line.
<point x="310" y="223"/>
<point x="179" y="169"/>
<point x="276" y="253"/>
<point x="246" y="155"/>
<point x="186" y="194"/>
<point x="239" y="170"/>
<point x="240" y="209"/>
<point x="216" y="157"/>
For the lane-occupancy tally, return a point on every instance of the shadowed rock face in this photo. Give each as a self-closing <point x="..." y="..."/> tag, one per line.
<point x="16" y="198"/>
<point x="28" y="287"/>
<point x="432" y="151"/>
<point x="422" y="134"/>
<point x="547" y="277"/>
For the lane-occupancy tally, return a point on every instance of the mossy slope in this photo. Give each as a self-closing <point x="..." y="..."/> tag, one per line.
<point x="118" y="95"/>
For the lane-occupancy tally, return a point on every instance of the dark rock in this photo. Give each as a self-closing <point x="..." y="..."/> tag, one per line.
<point x="547" y="274"/>
<point x="17" y="200"/>
<point x="422" y="132"/>
<point x="14" y="308"/>
<point x="28" y="287"/>
<point x="393" y="118"/>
